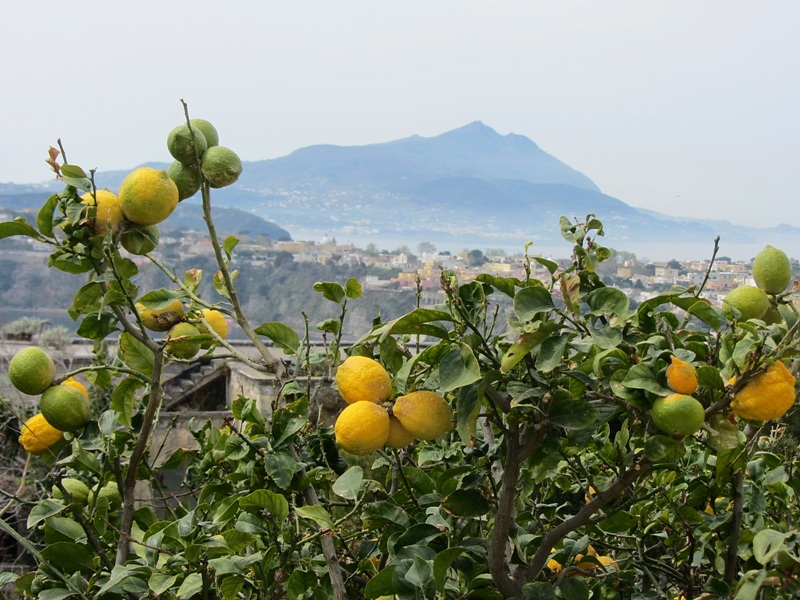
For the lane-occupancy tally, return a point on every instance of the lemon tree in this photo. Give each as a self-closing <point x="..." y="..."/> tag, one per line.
<point x="524" y="438"/>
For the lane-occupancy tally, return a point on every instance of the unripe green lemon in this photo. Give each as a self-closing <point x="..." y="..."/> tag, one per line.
<point x="32" y="370"/>
<point x="186" y="146"/>
<point x="186" y="177"/>
<point x="80" y="492"/>
<point x="208" y="130"/>
<point x="65" y="407"/>
<point x="772" y="270"/>
<point x="750" y="301"/>
<point x="678" y="415"/>
<point x="110" y="492"/>
<point x="221" y="166"/>
<point x="183" y="348"/>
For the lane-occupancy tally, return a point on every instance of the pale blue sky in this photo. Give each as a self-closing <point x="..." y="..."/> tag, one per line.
<point x="683" y="107"/>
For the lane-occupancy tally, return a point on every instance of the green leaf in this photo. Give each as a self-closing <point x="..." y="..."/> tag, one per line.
<point x="507" y="285"/>
<point x="550" y="265"/>
<point x="661" y="447"/>
<point x="289" y="420"/>
<point x="160" y="582"/>
<point x="469" y="503"/>
<point x="18" y="226"/>
<point x="607" y="337"/>
<point x="229" y="244"/>
<point x="44" y="220"/>
<point x="574" y="588"/>
<point x="459" y="368"/>
<point x="441" y="564"/>
<point x="135" y="354"/>
<point x="70" y="263"/>
<point x="317" y="514"/>
<point x="421" y="321"/>
<point x="281" y="467"/>
<point x="348" y="484"/>
<point x="45" y="508"/>
<point x="420" y="573"/>
<point x="541" y="590"/>
<point x="159" y="299"/>
<point x="382" y="584"/>
<point x="299" y="583"/>
<point x="352" y="288"/>
<point x="526" y="342"/>
<point x="69" y="557"/>
<point x="750" y="584"/>
<point x="725" y="435"/>
<point x="281" y="335"/>
<point x="97" y="326"/>
<point x="123" y="399"/>
<point x="329" y="325"/>
<point x="608" y="301"/>
<point x="330" y="291"/>
<point x="230" y="586"/>
<point x="193" y="584"/>
<point x="551" y="352"/>
<point x="62" y="529"/>
<point x="712" y="316"/>
<point x="276" y="504"/>
<point x="55" y="594"/>
<point x="640" y="377"/>
<point x="73" y="172"/>
<point x="531" y="301"/>
<point x="767" y="543"/>
<point x="571" y="413"/>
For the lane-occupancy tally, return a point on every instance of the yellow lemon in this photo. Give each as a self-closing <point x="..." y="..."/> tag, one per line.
<point x="77" y="385"/>
<point x="362" y="428"/>
<point x="147" y="196"/>
<point x="38" y="435"/>
<point x="360" y="378"/>
<point x="424" y="414"/>
<point x="161" y="319"/>
<point x="217" y="322"/>
<point x="681" y="377"/>
<point x="678" y="414"/>
<point x="399" y="437"/>
<point x="108" y="213"/>
<point x="767" y="396"/>
<point x="31" y="371"/>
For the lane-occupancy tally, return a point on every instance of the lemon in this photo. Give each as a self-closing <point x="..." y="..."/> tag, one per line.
<point x="71" y="382"/>
<point x="767" y="396"/>
<point x="678" y="414"/>
<point x="110" y="492"/>
<point x="161" y="319"/>
<point x="360" y="378"/>
<point x="186" y="146"/>
<point x="221" y="166"/>
<point x="179" y="341"/>
<point x="80" y="492"/>
<point x="140" y="239"/>
<point x="750" y="301"/>
<point x="147" y="196"/>
<point x="38" y="435"/>
<point x="424" y="414"/>
<point x="108" y="213"/>
<point x="772" y="270"/>
<point x="186" y="177"/>
<point x="399" y="437"/>
<point x="217" y="322"/>
<point x="65" y="407"/>
<point x="681" y="376"/>
<point x="208" y="131"/>
<point x="31" y="370"/>
<point x="362" y="428"/>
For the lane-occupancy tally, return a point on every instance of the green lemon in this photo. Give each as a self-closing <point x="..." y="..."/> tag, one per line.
<point x="186" y="177"/>
<point x="208" y="130"/>
<point x="221" y="166"/>
<point x="80" y="492"/>
<point x="179" y="340"/>
<point x="772" y="270"/>
<point x="65" y="407"/>
<point x="32" y="371"/>
<point x="750" y="301"/>
<point x="678" y="415"/>
<point x="186" y="146"/>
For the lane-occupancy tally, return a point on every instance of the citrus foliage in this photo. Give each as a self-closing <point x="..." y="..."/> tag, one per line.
<point x="544" y="473"/>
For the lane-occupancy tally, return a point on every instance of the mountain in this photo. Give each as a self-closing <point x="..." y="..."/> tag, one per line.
<point x="466" y="188"/>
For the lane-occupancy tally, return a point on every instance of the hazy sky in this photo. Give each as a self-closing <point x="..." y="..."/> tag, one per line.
<point x="683" y="107"/>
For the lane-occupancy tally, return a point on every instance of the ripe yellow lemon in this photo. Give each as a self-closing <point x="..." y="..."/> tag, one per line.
<point x="362" y="428"/>
<point x="678" y="414"/>
<point x="399" y="437"/>
<point x="681" y="377"/>
<point x="186" y="177"/>
<point x="72" y="382"/>
<point x="147" y="196"/>
<point x="221" y="166"/>
<point x="772" y="270"/>
<point x="31" y="371"/>
<point x="38" y="435"/>
<point x="217" y="322"/>
<point x="186" y="146"/>
<point x="161" y="319"/>
<point x="139" y="239"/>
<point x="108" y="213"/>
<point x="360" y="378"/>
<point x="750" y="301"/>
<point x="64" y="407"/>
<point x="208" y="131"/>
<point x="767" y="396"/>
<point x="179" y="341"/>
<point x="424" y="414"/>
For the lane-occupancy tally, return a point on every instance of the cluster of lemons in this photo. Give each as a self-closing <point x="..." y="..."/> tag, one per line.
<point x="768" y="395"/>
<point x="598" y="561"/>
<point x="366" y="425"/>
<point x="63" y="407"/>
<point x="772" y="272"/>
<point x="182" y="329"/>
<point x="148" y="196"/>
